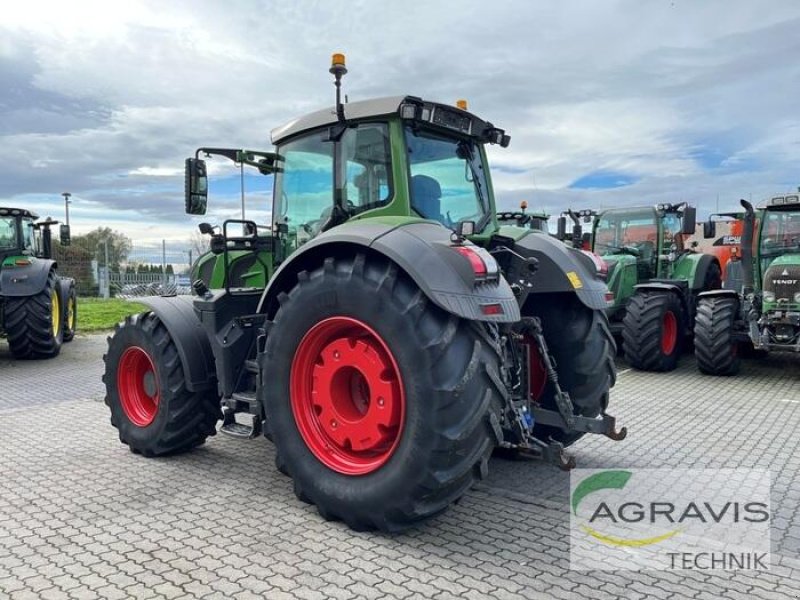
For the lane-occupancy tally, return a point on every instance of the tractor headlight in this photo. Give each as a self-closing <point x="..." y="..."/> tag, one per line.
<point x="769" y="296"/>
<point x="797" y="298"/>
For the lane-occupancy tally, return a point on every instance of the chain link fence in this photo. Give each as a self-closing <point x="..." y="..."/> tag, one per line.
<point x="118" y="267"/>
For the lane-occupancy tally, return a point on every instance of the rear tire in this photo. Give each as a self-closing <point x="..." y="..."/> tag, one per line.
<point x="34" y="324"/>
<point x="715" y="349"/>
<point x="653" y="331"/>
<point x="146" y="391"/>
<point x="70" y="312"/>
<point x="583" y="346"/>
<point x="438" y="370"/>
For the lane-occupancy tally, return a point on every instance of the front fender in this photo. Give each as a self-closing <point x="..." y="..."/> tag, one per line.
<point x="562" y="269"/>
<point x="693" y="268"/>
<point x="178" y="315"/>
<point x="421" y="249"/>
<point x="25" y="280"/>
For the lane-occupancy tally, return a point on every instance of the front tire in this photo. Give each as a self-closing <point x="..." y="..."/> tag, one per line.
<point x="652" y="334"/>
<point x="357" y="346"/>
<point x="146" y="391"/>
<point x="70" y="312"/>
<point x="580" y="341"/>
<point x="715" y="348"/>
<point x="34" y="324"/>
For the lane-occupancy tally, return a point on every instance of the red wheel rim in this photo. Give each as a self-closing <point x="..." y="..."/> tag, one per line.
<point x="669" y="332"/>
<point x="347" y="396"/>
<point x="137" y="386"/>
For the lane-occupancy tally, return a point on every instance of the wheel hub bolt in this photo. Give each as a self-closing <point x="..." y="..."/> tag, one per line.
<point x="336" y="354"/>
<point x="334" y="424"/>
<point x="381" y="401"/>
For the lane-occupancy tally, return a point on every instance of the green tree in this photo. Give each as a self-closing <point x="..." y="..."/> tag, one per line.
<point x="119" y="246"/>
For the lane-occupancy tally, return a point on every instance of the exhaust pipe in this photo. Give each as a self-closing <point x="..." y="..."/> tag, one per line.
<point x="747" y="247"/>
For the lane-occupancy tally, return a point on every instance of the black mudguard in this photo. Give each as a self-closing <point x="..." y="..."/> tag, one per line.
<point x="704" y="264"/>
<point x="562" y="269"/>
<point x="26" y="281"/>
<point x="422" y="250"/>
<point x="719" y="294"/>
<point x="179" y="317"/>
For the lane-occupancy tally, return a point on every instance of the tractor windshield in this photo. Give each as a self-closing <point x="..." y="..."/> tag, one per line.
<point x="617" y="230"/>
<point x="448" y="181"/>
<point x="8" y="233"/>
<point x="780" y="233"/>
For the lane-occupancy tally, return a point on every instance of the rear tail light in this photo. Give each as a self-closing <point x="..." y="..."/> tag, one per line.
<point x="609" y="298"/>
<point x="599" y="264"/>
<point x="483" y="264"/>
<point x="475" y="261"/>
<point x="22" y="262"/>
<point x="492" y="309"/>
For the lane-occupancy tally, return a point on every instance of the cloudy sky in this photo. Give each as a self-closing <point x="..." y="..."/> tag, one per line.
<point x="607" y="102"/>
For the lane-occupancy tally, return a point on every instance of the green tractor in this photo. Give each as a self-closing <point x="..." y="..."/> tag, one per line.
<point x="535" y="219"/>
<point x="38" y="308"/>
<point x="654" y="279"/>
<point x="759" y="309"/>
<point x="384" y="332"/>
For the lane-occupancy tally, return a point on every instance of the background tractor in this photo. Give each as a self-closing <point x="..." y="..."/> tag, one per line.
<point x="759" y="309"/>
<point x="385" y="332"/>
<point x="653" y="278"/>
<point x="535" y="219"/>
<point x="38" y="308"/>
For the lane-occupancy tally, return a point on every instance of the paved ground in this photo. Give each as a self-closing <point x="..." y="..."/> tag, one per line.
<point x="81" y="517"/>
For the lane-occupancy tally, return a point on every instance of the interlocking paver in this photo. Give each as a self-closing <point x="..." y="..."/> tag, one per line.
<point x="81" y="517"/>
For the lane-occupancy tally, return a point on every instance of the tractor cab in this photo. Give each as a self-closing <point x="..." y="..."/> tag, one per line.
<point x="21" y="234"/>
<point x="649" y="238"/>
<point x="393" y="159"/>
<point x="17" y="233"/>
<point x="778" y="264"/>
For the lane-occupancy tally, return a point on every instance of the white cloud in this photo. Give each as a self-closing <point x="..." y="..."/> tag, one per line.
<point x="108" y="102"/>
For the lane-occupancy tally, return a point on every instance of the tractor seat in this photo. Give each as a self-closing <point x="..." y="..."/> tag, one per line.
<point x="426" y="194"/>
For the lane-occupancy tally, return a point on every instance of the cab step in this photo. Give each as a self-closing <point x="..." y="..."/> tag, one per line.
<point x="232" y="427"/>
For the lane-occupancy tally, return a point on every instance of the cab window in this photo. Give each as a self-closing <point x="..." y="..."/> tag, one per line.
<point x="367" y="158"/>
<point x="27" y="235"/>
<point x="304" y="187"/>
<point x="8" y="232"/>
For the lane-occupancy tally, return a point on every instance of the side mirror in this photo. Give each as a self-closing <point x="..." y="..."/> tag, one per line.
<point x="561" y="232"/>
<point x="206" y="228"/>
<point x="465" y="228"/>
<point x="709" y="229"/>
<point x="196" y="186"/>
<point x="63" y="234"/>
<point x="689" y="220"/>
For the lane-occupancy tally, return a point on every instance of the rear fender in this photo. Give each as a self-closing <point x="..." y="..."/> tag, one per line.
<point x="178" y="315"/>
<point x="26" y="280"/>
<point x="420" y="249"/>
<point x="562" y="269"/>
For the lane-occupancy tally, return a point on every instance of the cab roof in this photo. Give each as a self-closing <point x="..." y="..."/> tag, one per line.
<point x="375" y="107"/>
<point x="17" y="212"/>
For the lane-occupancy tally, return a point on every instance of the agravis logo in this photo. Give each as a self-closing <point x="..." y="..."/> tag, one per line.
<point x="669" y="518"/>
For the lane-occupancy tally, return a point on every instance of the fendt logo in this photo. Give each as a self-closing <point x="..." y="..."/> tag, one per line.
<point x="653" y="518"/>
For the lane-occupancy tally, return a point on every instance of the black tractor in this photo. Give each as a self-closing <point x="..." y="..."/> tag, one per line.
<point x="38" y="308"/>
